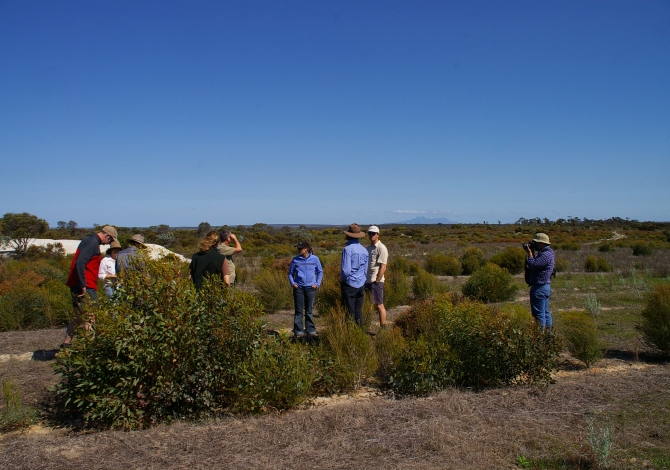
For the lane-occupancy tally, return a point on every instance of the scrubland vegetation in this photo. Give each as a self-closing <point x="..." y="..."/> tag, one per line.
<point x="162" y="352"/>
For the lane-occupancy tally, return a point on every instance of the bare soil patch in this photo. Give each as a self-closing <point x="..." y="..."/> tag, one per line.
<point x="18" y="342"/>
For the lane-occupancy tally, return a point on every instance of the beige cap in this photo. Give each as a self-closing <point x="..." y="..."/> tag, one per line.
<point x="109" y="230"/>
<point x="542" y="238"/>
<point x="137" y="238"/>
<point x="115" y="245"/>
<point x="373" y="229"/>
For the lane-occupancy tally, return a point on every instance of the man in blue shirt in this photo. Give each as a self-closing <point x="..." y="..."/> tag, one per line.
<point x="353" y="271"/>
<point x="538" y="270"/>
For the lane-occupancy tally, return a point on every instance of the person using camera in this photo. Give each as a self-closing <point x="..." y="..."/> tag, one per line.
<point x="539" y="268"/>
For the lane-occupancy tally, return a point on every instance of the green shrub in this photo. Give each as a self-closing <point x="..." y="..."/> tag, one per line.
<point x="512" y="258"/>
<point x="397" y="288"/>
<point x="390" y="346"/>
<point x="329" y="294"/>
<point x="349" y="357"/>
<point x="443" y="265"/>
<point x="472" y="345"/>
<point x="596" y="264"/>
<point x="472" y="259"/>
<point x="426" y="286"/>
<point x="33" y="294"/>
<point x="561" y="265"/>
<point x="399" y="264"/>
<point x="606" y="247"/>
<point x="655" y="319"/>
<point x="642" y="249"/>
<point x="490" y="284"/>
<point x="581" y="336"/>
<point x="14" y="416"/>
<point x="274" y="290"/>
<point x="163" y="351"/>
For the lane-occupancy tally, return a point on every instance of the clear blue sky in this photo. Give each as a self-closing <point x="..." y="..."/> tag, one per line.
<point x="148" y="112"/>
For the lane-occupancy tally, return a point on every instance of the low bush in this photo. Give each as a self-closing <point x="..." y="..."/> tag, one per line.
<point x="470" y="344"/>
<point x="348" y="358"/>
<point x="163" y="351"/>
<point x="490" y="284"/>
<point x="561" y="265"/>
<point x="655" y="319"/>
<point x="443" y="265"/>
<point x="513" y="259"/>
<point x="581" y="337"/>
<point x="596" y="264"/>
<point x="606" y="247"/>
<point x="329" y="294"/>
<point x="274" y="290"/>
<point x="642" y="249"/>
<point x="397" y="288"/>
<point x="399" y="264"/>
<point x="14" y="416"/>
<point x="472" y="259"/>
<point x="33" y="294"/>
<point x="568" y="246"/>
<point x="426" y="286"/>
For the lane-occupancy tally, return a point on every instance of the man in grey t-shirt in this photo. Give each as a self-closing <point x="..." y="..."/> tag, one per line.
<point x="378" y="259"/>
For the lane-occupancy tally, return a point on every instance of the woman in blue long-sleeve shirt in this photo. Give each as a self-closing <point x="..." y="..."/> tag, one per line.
<point x="305" y="275"/>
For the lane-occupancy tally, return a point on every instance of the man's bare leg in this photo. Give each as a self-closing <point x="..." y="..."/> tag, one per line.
<point x="382" y="315"/>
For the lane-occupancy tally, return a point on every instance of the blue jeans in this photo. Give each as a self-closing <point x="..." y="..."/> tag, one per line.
<point x="303" y="299"/>
<point x="539" y="304"/>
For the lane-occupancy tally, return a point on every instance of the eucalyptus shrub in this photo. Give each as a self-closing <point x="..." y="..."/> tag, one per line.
<point x="655" y="319"/>
<point x="397" y="288"/>
<point x="472" y="259"/>
<point x="473" y="345"/>
<point x="162" y="351"/>
<point x="426" y="286"/>
<point x="512" y="258"/>
<point x="581" y="337"/>
<point x="596" y="264"/>
<point x="490" y="284"/>
<point x="443" y="265"/>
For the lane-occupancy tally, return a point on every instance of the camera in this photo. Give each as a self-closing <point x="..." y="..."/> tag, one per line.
<point x="531" y="245"/>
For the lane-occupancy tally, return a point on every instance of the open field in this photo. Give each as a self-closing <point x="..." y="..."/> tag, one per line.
<point x="627" y="393"/>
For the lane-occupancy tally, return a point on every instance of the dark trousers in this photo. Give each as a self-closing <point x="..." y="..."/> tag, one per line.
<point x="352" y="299"/>
<point x="303" y="300"/>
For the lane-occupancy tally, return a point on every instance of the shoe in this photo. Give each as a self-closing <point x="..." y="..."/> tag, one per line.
<point x="313" y="335"/>
<point x="299" y="335"/>
<point x="65" y="345"/>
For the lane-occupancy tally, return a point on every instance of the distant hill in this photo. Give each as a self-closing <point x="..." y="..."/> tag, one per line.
<point x="425" y="220"/>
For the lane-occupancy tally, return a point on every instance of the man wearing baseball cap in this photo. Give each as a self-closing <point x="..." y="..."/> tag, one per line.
<point x="538" y="276"/>
<point x="83" y="277"/>
<point x="377" y="260"/>
<point x="353" y="271"/>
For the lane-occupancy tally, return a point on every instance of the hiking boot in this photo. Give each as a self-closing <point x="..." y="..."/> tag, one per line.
<point x="314" y="334"/>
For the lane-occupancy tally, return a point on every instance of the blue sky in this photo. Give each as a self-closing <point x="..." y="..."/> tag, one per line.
<point x="142" y="113"/>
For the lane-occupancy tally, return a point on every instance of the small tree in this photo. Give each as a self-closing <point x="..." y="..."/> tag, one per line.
<point x="61" y="225"/>
<point x="19" y="229"/>
<point x="204" y="228"/>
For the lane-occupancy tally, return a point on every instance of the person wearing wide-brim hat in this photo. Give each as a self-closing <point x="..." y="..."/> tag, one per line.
<point x="107" y="271"/>
<point x="124" y="259"/>
<point x="539" y="269"/>
<point x="353" y="271"/>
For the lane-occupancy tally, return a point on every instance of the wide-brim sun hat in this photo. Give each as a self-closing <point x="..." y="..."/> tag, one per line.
<point x="115" y="245"/>
<point x="541" y="238"/>
<point x="111" y="231"/>
<point x="354" y="231"/>
<point x="137" y="238"/>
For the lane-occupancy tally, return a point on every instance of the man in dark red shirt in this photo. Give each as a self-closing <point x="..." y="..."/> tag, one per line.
<point x="83" y="277"/>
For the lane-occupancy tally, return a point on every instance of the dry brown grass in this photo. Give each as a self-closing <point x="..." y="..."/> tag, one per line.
<point x="455" y="429"/>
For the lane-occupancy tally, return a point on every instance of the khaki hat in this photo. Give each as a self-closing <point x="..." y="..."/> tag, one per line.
<point x="109" y="230"/>
<point x="373" y="229"/>
<point x="115" y="245"/>
<point x="542" y="238"/>
<point x="137" y="238"/>
<point x="354" y="231"/>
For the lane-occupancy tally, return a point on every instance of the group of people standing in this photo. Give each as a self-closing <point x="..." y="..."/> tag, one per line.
<point x="361" y="268"/>
<point x="88" y="266"/>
